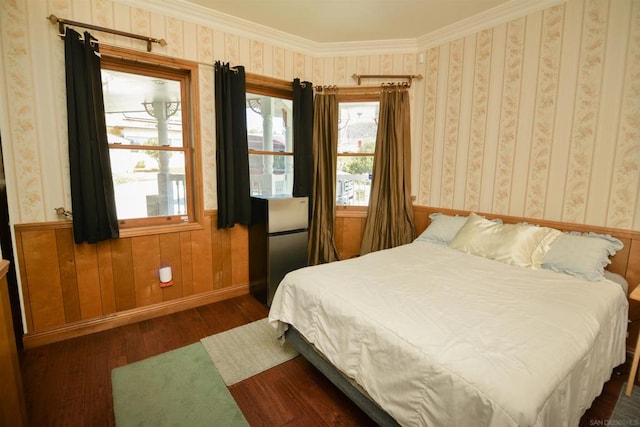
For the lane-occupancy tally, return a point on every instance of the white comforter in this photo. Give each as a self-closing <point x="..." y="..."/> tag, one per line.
<point x="441" y="338"/>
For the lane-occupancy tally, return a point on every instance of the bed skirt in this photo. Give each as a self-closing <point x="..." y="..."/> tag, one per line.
<point x="344" y="383"/>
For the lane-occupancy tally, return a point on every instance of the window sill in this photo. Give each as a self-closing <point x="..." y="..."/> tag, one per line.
<point x="159" y="229"/>
<point x="351" y="211"/>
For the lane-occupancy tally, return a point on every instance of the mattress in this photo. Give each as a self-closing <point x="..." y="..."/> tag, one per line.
<point x="437" y="337"/>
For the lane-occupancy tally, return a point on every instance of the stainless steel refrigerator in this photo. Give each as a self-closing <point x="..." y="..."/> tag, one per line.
<point x="278" y="237"/>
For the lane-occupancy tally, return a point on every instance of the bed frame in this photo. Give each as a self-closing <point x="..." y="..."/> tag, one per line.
<point x="626" y="262"/>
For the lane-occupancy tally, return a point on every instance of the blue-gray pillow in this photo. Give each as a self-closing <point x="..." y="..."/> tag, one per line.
<point x="583" y="255"/>
<point x="442" y="229"/>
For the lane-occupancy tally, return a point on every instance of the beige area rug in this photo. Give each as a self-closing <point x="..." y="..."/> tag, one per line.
<point x="247" y="350"/>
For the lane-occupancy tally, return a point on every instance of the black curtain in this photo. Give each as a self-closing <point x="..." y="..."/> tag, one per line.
<point x="302" y="138"/>
<point x="92" y="197"/>
<point x="232" y="155"/>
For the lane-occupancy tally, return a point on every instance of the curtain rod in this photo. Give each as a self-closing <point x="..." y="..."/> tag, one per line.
<point x="408" y="77"/>
<point x="62" y="22"/>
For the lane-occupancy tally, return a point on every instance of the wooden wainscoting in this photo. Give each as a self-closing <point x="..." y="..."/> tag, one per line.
<point x="70" y="290"/>
<point x="625" y="262"/>
<point x="349" y="229"/>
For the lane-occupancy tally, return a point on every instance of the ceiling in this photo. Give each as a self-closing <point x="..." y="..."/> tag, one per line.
<point x="339" y="21"/>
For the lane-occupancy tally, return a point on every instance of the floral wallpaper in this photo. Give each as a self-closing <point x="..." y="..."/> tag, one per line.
<point x="430" y="94"/>
<point x="585" y="114"/>
<point x="536" y="117"/>
<point x="554" y="129"/>
<point x="544" y="111"/>
<point x="626" y="167"/>
<point x="38" y="186"/>
<point x="477" y="131"/>
<point x="509" y="111"/>
<point x="452" y="122"/>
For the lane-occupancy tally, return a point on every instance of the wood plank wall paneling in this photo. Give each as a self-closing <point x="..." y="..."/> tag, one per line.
<point x="224" y="274"/>
<point x="86" y="270"/>
<point x="187" y="263"/>
<point x="420" y="219"/>
<point x="633" y="271"/>
<point x="350" y="226"/>
<point x="353" y="238"/>
<point x="239" y="251"/>
<point x="26" y="299"/>
<point x="624" y="262"/>
<point x="170" y="250"/>
<point x="67" y="265"/>
<point x="123" y="279"/>
<point x="349" y="229"/>
<point x="201" y="252"/>
<point x="146" y="261"/>
<point x="43" y="279"/>
<point x="105" y="271"/>
<point x="217" y="245"/>
<point x="67" y="284"/>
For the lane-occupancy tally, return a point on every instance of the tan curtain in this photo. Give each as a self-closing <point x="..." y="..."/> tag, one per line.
<point x="322" y="247"/>
<point x="390" y="214"/>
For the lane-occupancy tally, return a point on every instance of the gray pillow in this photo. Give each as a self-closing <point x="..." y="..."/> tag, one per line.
<point x="442" y="229"/>
<point x="582" y="255"/>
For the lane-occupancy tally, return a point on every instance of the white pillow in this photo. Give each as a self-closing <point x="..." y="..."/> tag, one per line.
<point x="523" y="245"/>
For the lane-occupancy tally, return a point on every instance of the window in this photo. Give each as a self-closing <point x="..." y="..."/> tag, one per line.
<point x="357" y="129"/>
<point x="270" y="136"/>
<point x="151" y="143"/>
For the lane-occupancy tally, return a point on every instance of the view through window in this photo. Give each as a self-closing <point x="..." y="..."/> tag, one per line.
<point x="357" y="129"/>
<point x="148" y="144"/>
<point x="270" y="138"/>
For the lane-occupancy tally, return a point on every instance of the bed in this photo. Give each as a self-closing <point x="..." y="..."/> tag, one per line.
<point x="456" y="329"/>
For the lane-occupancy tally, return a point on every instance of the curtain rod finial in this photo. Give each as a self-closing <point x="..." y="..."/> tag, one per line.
<point x="52" y="18"/>
<point x="162" y="42"/>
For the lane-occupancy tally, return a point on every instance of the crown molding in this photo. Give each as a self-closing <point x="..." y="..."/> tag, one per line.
<point x="490" y="18"/>
<point x="375" y="47"/>
<point x="201" y="15"/>
<point x="206" y="17"/>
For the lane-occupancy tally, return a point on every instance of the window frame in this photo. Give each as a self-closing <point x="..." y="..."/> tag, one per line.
<point x="269" y="86"/>
<point x="128" y="61"/>
<point x="352" y="95"/>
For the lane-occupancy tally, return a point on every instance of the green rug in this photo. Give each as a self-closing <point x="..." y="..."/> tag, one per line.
<point x="178" y="388"/>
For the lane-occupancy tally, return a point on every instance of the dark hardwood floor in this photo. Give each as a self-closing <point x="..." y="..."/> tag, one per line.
<point x="69" y="383"/>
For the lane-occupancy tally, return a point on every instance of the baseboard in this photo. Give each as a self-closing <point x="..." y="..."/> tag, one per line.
<point x="85" y="327"/>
